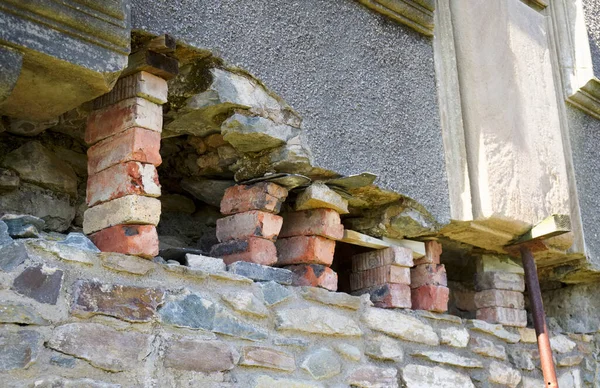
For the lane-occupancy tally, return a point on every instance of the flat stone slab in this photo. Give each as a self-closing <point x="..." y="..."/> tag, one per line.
<point x="12" y="255"/>
<point x="340" y="299"/>
<point x="23" y="225"/>
<point x="449" y="359"/>
<point x="400" y="325"/>
<point x="322" y="363"/>
<point x="419" y="376"/>
<point x="265" y="357"/>
<point x="40" y="283"/>
<point x="19" y="350"/>
<point x="191" y="354"/>
<point x="317" y="320"/>
<point x="261" y="273"/>
<point x="274" y="293"/>
<point x="15" y="312"/>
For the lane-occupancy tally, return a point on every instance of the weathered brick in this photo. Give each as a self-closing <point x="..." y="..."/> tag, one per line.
<point x="499" y="281"/>
<point x="134" y="304"/>
<point x="378" y="276"/>
<point x="131" y="209"/>
<point x="122" y="179"/>
<point x="254" y="250"/>
<point x="265" y="196"/>
<point x="253" y="223"/>
<point x="431" y="298"/>
<point x="116" y="118"/>
<point x="499" y="298"/>
<point x="318" y="196"/>
<point x="314" y="275"/>
<point x="137" y="240"/>
<point x="433" y="251"/>
<point x="394" y="255"/>
<point x="428" y="274"/>
<point x="503" y="315"/>
<point x="389" y="295"/>
<point x="134" y="144"/>
<point x="305" y="250"/>
<point x="141" y="84"/>
<point x="40" y="283"/>
<point x="314" y="222"/>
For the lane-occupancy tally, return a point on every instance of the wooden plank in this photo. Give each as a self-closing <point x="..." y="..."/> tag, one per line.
<point x="417" y="247"/>
<point x="355" y="238"/>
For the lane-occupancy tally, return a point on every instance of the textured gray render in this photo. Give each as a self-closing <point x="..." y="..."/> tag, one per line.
<point x="585" y="139"/>
<point x="364" y="85"/>
<point x="592" y="21"/>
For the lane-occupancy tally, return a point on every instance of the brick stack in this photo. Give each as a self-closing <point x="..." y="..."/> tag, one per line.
<point x="500" y="284"/>
<point x="124" y="137"/>
<point x="252" y="224"/>
<point x="385" y="275"/>
<point x="429" y="283"/>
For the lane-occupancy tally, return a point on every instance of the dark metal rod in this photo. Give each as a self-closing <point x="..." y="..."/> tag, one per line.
<point x="539" y="317"/>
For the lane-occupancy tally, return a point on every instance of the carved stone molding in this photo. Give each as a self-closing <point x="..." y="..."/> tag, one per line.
<point x="417" y="14"/>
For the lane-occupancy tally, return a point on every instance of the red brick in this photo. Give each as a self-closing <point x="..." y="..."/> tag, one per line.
<point x="433" y="251"/>
<point x="499" y="298"/>
<point x="314" y="222"/>
<point x="428" y="274"/>
<point x="314" y="275"/>
<point x="135" y="144"/>
<point x="140" y="84"/>
<point x="305" y="250"/>
<point x="116" y="118"/>
<point x="389" y="295"/>
<point x="265" y="196"/>
<point x="393" y="255"/>
<point x="431" y="298"/>
<point x="254" y="223"/>
<point x="137" y="240"/>
<point x="121" y="180"/>
<point x="378" y="276"/>
<point x="254" y="250"/>
<point x="503" y="315"/>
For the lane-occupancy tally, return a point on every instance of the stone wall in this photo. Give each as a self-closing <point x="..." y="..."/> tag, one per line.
<point x="73" y="317"/>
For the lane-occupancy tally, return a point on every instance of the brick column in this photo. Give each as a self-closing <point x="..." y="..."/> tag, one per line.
<point x="500" y="284"/>
<point x="428" y="281"/>
<point x="124" y="137"/>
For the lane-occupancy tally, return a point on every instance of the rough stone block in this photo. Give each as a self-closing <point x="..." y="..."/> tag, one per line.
<point x="314" y="222"/>
<point x="134" y="144"/>
<point x="122" y="179"/>
<point x="267" y="358"/>
<point x="373" y="376"/>
<point x="198" y="355"/>
<point x="134" y="304"/>
<point x="126" y="263"/>
<point x="244" y="225"/>
<point x="378" y="258"/>
<point x="487" y="348"/>
<point x="316" y="320"/>
<point x="378" y="276"/>
<point x="141" y="84"/>
<point x="12" y="255"/>
<point x="314" y="275"/>
<point x="504" y="375"/>
<point x="9" y="180"/>
<point x="14" y="312"/>
<point x="40" y="283"/>
<point x="136" y="240"/>
<point x="254" y="250"/>
<point x="22" y="225"/>
<point x="428" y="274"/>
<point x="499" y="263"/>
<point x="420" y="376"/>
<point x="131" y="209"/>
<point x="119" y="117"/>
<point x="499" y="281"/>
<point x="273" y="292"/>
<point x="381" y="347"/>
<point x="19" y="349"/>
<point x="388" y="295"/>
<point x="499" y="298"/>
<point x="205" y="263"/>
<point x="261" y="273"/>
<point x="400" y="325"/>
<point x="431" y="298"/>
<point x="340" y="299"/>
<point x="245" y="302"/>
<point x="265" y="196"/>
<point x="322" y="364"/>
<point x="255" y="133"/>
<point x="305" y="250"/>
<point x="433" y="251"/>
<point x="318" y="196"/>
<point x="225" y="323"/>
<point x="457" y="337"/>
<point x="503" y="315"/>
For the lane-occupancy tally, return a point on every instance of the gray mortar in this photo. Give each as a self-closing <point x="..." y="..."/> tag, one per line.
<point x="364" y="85"/>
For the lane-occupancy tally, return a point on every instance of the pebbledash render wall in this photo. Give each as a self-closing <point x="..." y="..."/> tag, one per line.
<point x="73" y="318"/>
<point x="363" y="84"/>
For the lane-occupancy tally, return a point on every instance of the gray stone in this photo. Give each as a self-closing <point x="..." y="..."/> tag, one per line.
<point x="28" y="127"/>
<point x="62" y="361"/>
<point x="493" y="329"/>
<point x="502" y="374"/>
<point x="265" y="381"/>
<point x="568" y="361"/>
<point x="274" y="293"/>
<point x="230" y="277"/>
<point x="5" y="238"/>
<point x="287" y="341"/>
<point x="36" y="164"/>
<point x="15" y="312"/>
<point x="9" y="180"/>
<point x="532" y="383"/>
<point x="561" y="344"/>
<point x="209" y="191"/>
<point x="245" y="302"/>
<point x="454" y="336"/>
<point x="191" y="311"/>
<point x="127" y="263"/>
<point x="331" y="298"/>
<point x="79" y="241"/>
<point x="487" y="348"/>
<point x="19" y="349"/>
<point x="60" y="382"/>
<point x="101" y="346"/>
<point x="400" y="325"/>
<point x="205" y="263"/>
<point x="570" y="379"/>
<point x="254" y="134"/>
<point x="40" y="283"/>
<point x="225" y="323"/>
<point x="204" y="356"/>
<point x="261" y="273"/>
<point x="370" y="376"/>
<point x="12" y="255"/>
<point x="522" y="359"/>
<point x="381" y="347"/>
<point x="267" y="358"/>
<point x="419" y="376"/>
<point x="22" y="225"/>
<point x="449" y="359"/>
<point x="66" y="252"/>
<point x="350" y="352"/>
<point x="322" y="364"/>
<point x="317" y="320"/>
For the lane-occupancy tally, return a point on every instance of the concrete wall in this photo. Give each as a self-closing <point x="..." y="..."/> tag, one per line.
<point x="364" y="85"/>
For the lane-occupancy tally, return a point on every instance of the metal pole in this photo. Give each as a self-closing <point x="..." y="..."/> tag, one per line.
<point x="539" y="317"/>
